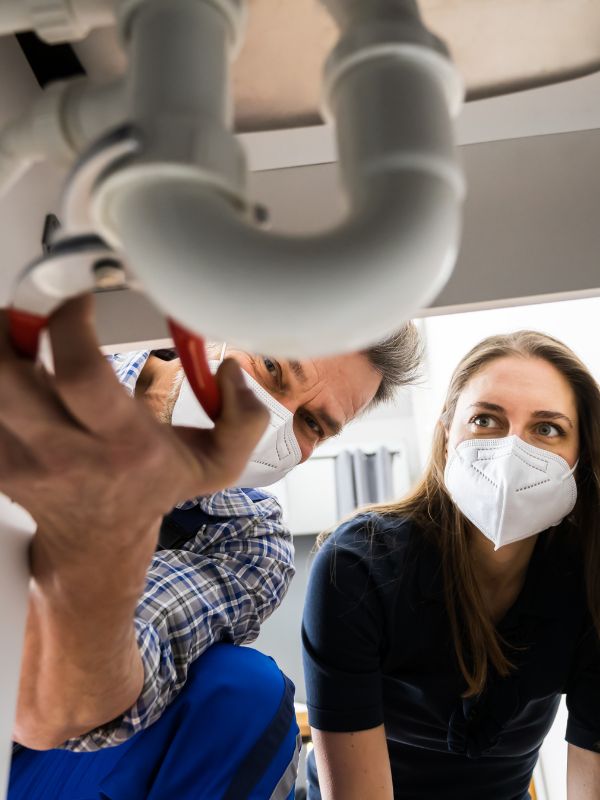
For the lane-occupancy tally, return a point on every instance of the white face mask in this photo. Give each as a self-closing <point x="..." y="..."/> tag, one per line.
<point x="277" y="452"/>
<point x="509" y="489"/>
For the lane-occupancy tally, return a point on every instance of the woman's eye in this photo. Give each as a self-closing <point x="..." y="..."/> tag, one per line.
<point x="484" y="421"/>
<point x="546" y="429"/>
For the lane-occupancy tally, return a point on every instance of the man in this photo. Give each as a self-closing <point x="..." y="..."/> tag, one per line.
<point x="119" y="637"/>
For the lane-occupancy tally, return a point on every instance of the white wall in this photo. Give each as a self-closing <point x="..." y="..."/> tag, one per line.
<point x="448" y="338"/>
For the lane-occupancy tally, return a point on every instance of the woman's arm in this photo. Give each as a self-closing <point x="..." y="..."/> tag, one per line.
<point x="355" y="765"/>
<point x="583" y="774"/>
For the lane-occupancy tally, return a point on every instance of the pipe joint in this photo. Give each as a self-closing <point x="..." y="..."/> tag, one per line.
<point x="180" y="51"/>
<point x="403" y="41"/>
<point x="391" y="90"/>
<point x="234" y="12"/>
<point x="399" y="72"/>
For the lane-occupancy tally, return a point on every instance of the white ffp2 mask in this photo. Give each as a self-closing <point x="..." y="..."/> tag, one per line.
<point x="276" y="453"/>
<point x="509" y="489"/>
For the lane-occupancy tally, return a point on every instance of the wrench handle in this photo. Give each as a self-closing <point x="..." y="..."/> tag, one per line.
<point x="195" y="365"/>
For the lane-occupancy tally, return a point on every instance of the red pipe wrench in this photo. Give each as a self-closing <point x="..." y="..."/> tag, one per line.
<point x="68" y="271"/>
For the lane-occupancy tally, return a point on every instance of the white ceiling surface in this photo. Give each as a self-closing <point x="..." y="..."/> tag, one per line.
<point x="531" y="225"/>
<point x="499" y="46"/>
<point x="561" y="108"/>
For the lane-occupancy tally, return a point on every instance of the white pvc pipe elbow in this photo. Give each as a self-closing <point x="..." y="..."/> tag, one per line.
<point x="290" y="296"/>
<point x="207" y="267"/>
<point x="60" y="123"/>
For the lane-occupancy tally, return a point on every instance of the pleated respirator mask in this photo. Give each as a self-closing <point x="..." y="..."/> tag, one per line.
<point x="277" y="452"/>
<point x="509" y="489"/>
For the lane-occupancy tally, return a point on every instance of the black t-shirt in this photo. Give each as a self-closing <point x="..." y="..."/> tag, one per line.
<point x="378" y="649"/>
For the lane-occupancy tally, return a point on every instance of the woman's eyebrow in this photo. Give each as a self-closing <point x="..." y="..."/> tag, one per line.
<point x="552" y="415"/>
<point x="488" y="406"/>
<point x="542" y="414"/>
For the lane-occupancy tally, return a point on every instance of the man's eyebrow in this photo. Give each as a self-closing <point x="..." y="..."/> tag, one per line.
<point x="298" y="370"/>
<point x="552" y="415"/>
<point x="327" y="421"/>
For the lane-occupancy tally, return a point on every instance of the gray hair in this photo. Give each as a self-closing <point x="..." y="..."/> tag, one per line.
<point x="397" y="358"/>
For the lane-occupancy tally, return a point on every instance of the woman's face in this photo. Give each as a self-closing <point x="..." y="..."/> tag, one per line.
<point x="524" y="396"/>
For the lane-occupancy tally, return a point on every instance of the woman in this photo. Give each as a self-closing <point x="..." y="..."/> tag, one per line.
<point x="440" y="631"/>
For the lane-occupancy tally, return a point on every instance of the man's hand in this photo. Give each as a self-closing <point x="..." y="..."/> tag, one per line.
<point x="97" y="472"/>
<point x="80" y="455"/>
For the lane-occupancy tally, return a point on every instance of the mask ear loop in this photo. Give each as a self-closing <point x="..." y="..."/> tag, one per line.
<point x="570" y="472"/>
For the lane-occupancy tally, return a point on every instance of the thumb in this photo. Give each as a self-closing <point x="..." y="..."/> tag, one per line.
<point x="223" y="452"/>
<point x="243" y="417"/>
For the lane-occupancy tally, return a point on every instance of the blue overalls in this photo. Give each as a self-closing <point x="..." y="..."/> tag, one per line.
<point x="230" y="734"/>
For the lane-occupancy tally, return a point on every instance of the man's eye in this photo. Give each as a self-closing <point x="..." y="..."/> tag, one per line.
<point x="272" y="367"/>
<point x="314" y="426"/>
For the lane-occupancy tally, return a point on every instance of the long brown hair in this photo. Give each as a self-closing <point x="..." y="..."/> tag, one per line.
<point x="476" y="641"/>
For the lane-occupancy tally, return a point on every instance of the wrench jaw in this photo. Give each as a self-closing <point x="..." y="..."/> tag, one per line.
<point x="25" y="330"/>
<point x="76" y="266"/>
<point x="64" y="272"/>
<point x="80" y="262"/>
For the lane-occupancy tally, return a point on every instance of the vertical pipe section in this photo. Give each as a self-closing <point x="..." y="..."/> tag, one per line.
<point x="179" y="74"/>
<point x="418" y="132"/>
<point x="392" y="92"/>
<point x="178" y="60"/>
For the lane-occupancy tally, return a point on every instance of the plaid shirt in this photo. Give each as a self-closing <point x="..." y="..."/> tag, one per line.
<point x="219" y="586"/>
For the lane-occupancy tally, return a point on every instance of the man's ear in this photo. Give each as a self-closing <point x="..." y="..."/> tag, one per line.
<point x="215" y="351"/>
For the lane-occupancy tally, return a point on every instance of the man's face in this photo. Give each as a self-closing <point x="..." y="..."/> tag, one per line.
<point x="323" y="394"/>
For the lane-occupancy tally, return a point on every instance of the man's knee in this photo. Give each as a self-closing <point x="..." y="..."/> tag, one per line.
<point x="247" y="703"/>
<point x="237" y="676"/>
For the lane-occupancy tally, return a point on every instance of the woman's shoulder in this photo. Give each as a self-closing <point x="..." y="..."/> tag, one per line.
<point x="369" y="525"/>
<point x="373" y="538"/>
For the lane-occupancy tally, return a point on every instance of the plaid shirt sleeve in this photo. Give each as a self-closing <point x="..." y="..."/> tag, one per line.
<point x="219" y="587"/>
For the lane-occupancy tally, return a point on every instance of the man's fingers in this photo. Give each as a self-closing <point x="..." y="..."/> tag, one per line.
<point x="27" y="403"/>
<point x="84" y="379"/>
<point x="17" y="459"/>
<point x="222" y="453"/>
<point x="243" y="418"/>
<point x="7" y="351"/>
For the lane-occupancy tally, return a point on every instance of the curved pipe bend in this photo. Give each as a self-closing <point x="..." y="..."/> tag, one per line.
<point x="200" y="261"/>
<point x="283" y="295"/>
